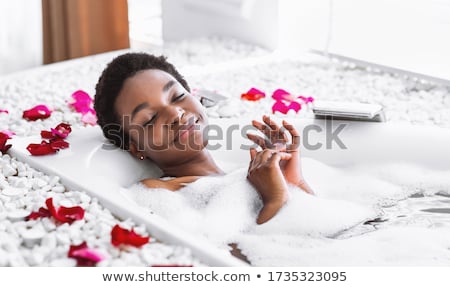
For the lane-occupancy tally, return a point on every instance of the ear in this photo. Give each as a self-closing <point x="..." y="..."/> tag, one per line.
<point x="134" y="150"/>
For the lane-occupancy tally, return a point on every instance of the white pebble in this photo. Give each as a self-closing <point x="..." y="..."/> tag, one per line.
<point x="9" y="170"/>
<point x="49" y="241"/>
<point x="45" y="189"/>
<point x="84" y="198"/>
<point x="36" y="258"/>
<point x="102" y="229"/>
<point x="63" y="238"/>
<point x="13" y="192"/>
<point x="21" y="183"/>
<point x="16" y="260"/>
<point x="66" y="203"/>
<point x="3" y="183"/>
<point x="32" y="237"/>
<point x="58" y="189"/>
<point x="21" y="167"/>
<point x="17" y="215"/>
<point x="38" y="183"/>
<point x="53" y="180"/>
<point x="10" y="247"/>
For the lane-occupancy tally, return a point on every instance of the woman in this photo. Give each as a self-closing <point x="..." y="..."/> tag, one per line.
<point x="144" y="106"/>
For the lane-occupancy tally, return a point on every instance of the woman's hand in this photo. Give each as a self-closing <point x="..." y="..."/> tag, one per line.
<point x="265" y="175"/>
<point x="278" y="140"/>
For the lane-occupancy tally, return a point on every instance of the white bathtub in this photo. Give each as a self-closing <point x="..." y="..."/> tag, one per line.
<point x="93" y="165"/>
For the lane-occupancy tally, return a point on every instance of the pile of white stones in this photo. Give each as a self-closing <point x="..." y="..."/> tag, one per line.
<point x="43" y="242"/>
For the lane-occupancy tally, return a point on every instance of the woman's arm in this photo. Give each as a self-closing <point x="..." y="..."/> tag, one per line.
<point x="171" y="184"/>
<point x="265" y="175"/>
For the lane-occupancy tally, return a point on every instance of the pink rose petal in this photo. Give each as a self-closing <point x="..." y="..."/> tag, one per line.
<point x="62" y="130"/>
<point x="89" y="118"/>
<point x="279" y="94"/>
<point x="84" y="256"/>
<point x="285" y="101"/>
<point x="8" y="133"/>
<point x="82" y="101"/>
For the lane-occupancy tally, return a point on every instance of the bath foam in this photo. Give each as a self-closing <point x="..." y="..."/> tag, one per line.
<point x="222" y="207"/>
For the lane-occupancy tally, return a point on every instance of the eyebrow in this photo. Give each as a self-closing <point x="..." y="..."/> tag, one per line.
<point x="144" y="105"/>
<point x="168" y="85"/>
<point x="138" y="108"/>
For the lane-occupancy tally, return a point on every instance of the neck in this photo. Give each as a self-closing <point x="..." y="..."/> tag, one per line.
<point x="200" y="165"/>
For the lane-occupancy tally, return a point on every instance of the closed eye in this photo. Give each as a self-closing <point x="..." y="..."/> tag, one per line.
<point x="177" y="98"/>
<point x="150" y="122"/>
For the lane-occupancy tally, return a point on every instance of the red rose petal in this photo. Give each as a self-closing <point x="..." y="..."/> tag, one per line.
<point x="65" y="214"/>
<point x="44" y="148"/>
<point x="42" y="212"/>
<point x="37" y="112"/>
<point x="253" y="95"/>
<point x="3" y="139"/>
<point x="123" y="236"/>
<point x="47" y="135"/>
<point x="58" y="144"/>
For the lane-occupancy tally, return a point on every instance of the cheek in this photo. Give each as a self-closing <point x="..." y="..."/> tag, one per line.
<point x="156" y="139"/>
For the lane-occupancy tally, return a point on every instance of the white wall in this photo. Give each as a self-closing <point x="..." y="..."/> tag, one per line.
<point x="412" y="35"/>
<point x="254" y="21"/>
<point x="20" y="35"/>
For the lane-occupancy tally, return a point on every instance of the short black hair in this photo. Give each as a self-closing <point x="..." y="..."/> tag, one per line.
<point x="111" y="82"/>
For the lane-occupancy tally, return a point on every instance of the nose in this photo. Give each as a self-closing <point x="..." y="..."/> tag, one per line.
<point x="175" y="114"/>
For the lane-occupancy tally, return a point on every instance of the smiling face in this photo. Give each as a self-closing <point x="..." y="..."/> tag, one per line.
<point x="163" y="120"/>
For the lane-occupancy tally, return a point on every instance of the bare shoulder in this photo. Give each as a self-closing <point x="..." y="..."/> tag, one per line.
<point x="171" y="184"/>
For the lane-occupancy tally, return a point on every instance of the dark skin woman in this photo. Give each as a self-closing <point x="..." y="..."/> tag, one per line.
<point x="145" y="106"/>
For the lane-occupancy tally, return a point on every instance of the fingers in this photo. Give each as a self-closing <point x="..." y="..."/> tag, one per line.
<point x="267" y="156"/>
<point x="294" y="133"/>
<point x="271" y="130"/>
<point x="277" y="131"/>
<point x="263" y="143"/>
<point x="253" y="153"/>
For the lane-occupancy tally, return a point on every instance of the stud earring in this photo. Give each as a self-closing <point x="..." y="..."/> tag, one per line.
<point x="141" y="157"/>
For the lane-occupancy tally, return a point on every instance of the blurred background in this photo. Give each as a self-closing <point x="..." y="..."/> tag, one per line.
<point x="406" y="34"/>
